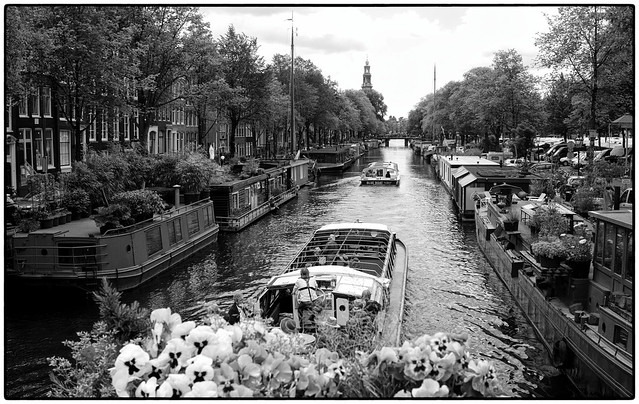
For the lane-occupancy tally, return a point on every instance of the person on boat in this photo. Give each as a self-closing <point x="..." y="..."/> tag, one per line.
<point x="305" y="290"/>
<point x="330" y="249"/>
<point x="236" y="311"/>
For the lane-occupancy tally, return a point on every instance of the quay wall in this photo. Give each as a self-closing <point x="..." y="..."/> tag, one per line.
<point x="594" y="371"/>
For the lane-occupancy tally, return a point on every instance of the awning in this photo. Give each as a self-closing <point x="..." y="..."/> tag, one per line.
<point x="625" y="121"/>
<point x="467" y="180"/>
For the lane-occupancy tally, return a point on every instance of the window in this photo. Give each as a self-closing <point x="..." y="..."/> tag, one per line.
<point x="210" y="216"/>
<point x="153" y="240"/>
<point x="600" y="242"/>
<point x="161" y="142"/>
<point x="92" y="125"/>
<point x="116" y="124"/>
<point x="39" y="147"/>
<point x="620" y="249"/>
<point x="620" y="337"/>
<point x="35" y="102"/>
<point x="126" y="126"/>
<point x="44" y="148"/>
<point x="77" y="254"/>
<point x="65" y="148"/>
<point x="104" y="127"/>
<point x="234" y="200"/>
<point x="175" y="231"/>
<point x="25" y="154"/>
<point x="22" y="106"/>
<point x="136" y="124"/>
<point x="192" y="223"/>
<point x="630" y="257"/>
<point x="46" y="101"/>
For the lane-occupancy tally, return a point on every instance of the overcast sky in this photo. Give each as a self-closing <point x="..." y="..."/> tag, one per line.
<point x="402" y="44"/>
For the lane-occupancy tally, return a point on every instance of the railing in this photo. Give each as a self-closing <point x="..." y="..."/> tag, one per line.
<point x="33" y="261"/>
<point x="233" y="223"/>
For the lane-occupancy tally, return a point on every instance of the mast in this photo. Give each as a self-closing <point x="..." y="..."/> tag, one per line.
<point x="434" y="92"/>
<point x="292" y="86"/>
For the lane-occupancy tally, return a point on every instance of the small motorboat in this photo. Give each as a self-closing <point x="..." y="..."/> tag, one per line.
<point x="381" y="173"/>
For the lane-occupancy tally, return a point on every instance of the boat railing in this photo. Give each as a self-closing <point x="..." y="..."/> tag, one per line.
<point x="238" y="221"/>
<point x="164" y="215"/>
<point x="39" y="259"/>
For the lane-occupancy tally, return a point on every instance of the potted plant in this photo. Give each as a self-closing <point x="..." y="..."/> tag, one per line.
<point x="112" y="217"/>
<point x="578" y="254"/>
<point x="78" y="202"/>
<point x="549" y="252"/>
<point x="193" y="174"/>
<point x="142" y="203"/>
<point x="510" y="220"/>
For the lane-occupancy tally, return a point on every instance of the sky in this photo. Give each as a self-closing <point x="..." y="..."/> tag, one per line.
<point x="403" y="44"/>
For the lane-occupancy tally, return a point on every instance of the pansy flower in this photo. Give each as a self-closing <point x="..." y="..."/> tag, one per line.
<point x="336" y="370"/>
<point x="177" y="353"/>
<point x="200" y="337"/>
<point x="182" y="330"/>
<point x="417" y="364"/>
<point x="276" y="371"/>
<point x="129" y="365"/>
<point x="203" y="389"/>
<point x="442" y="367"/>
<point x="158" y="367"/>
<point x="483" y="379"/>
<point x="147" y="389"/>
<point x="430" y="388"/>
<point x="255" y="350"/>
<point x="227" y="383"/>
<point x="200" y="368"/>
<point x="235" y="332"/>
<point x="439" y="343"/>
<point x="248" y="371"/>
<point x="175" y="386"/>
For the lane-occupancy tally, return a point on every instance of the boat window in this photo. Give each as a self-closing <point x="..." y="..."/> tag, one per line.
<point x="600" y="242"/>
<point x="192" y="223"/>
<point x="620" y="248"/>
<point x="209" y="216"/>
<point x="175" y="231"/>
<point x="630" y="257"/>
<point x="620" y="337"/>
<point x="380" y="172"/>
<point x="234" y="201"/>
<point x="153" y="240"/>
<point x="76" y="254"/>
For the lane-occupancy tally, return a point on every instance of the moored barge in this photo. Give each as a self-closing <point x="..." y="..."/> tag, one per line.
<point x="586" y="324"/>
<point x="78" y="255"/>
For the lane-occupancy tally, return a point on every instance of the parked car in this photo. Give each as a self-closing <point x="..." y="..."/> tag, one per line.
<point x="554" y="148"/>
<point x="626" y="199"/>
<point x="618" y="154"/>
<point x="542" y="166"/>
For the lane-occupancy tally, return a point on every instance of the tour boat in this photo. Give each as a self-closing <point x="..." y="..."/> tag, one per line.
<point x="78" y="255"/>
<point x="381" y="173"/>
<point x="345" y="259"/>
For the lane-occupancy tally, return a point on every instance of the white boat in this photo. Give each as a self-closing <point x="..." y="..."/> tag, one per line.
<point x="381" y="173"/>
<point x="362" y="256"/>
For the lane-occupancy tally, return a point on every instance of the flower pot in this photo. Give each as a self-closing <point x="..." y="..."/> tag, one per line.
<point x="76" y="215"/>
<point x="547" y="262"/>
<point x="511" y="226"/>
<point x="46" y="223"/>
<point x="56" y="220"/>
<point x="69" y="217"/>
<point x="191" y="197"/>
<point x="62" y="219"/>
<point x="205" y="194"/>
<point x="580" y="269"/>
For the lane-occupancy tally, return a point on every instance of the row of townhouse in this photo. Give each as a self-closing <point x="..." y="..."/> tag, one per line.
<point x="38" y="137"/>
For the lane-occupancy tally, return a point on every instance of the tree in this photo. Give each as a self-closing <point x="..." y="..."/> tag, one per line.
<point x="84" y="54"/>
<point x="377" y="101"/>
<point x="584" y="42"/>
<point x="244" y="73"/>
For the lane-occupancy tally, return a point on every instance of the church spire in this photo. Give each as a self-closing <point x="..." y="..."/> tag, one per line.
<point x="366" y="85"/>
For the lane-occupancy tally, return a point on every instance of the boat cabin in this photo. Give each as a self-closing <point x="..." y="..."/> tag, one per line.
<point x="381" y="173"/>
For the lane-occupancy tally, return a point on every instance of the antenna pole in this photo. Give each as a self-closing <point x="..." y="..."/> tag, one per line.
<point x="293" y="143"/>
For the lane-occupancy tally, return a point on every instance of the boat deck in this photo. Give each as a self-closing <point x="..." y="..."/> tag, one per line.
<point x="589" y="330"/>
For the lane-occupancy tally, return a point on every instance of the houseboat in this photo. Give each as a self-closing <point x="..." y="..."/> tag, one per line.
<point x="345" y="259"/>
<point x="447" y="166"/>
<point x="381" y="173"/>
<point x="240" y="203"/>
<point x="584" y="318"/>
<point x="334" y="159"/>
<point x="77" y="254"/>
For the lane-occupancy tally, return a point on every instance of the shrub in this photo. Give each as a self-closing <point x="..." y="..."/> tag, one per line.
<point x="142" y="202"/>
<point x="549" y="221"/>
<point x="550" y="247"/>
<point x="194" y="172"/>
<point x="115" y="215"/>
<point x="163" y="171"/>
<point x="76" y="200"/>
<point x="577" y="248"/>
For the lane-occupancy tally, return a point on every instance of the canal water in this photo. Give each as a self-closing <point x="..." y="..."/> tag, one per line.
<point x="450" y="287"/>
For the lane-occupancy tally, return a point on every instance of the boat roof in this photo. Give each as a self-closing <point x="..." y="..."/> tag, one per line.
<point x="354" y="225"/>
<point x="384" y="164"/>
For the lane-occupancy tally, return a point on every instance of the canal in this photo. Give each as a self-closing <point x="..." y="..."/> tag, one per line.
<point x="451" y="287"/>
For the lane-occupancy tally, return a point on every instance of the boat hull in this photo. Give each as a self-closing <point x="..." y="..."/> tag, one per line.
<point x="592" y="368"/>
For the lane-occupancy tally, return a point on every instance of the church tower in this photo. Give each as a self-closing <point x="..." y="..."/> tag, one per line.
<point x="366" y="85"/>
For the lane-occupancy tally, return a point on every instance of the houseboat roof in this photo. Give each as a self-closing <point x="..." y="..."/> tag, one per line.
<point x="468" y="160"/>
<point x="619" y="217"/>
<point x="327" y="150"/>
